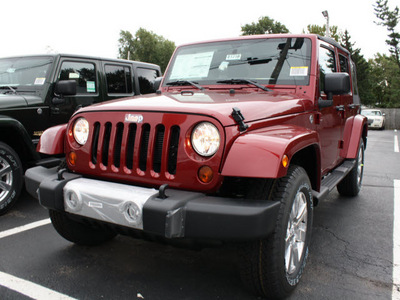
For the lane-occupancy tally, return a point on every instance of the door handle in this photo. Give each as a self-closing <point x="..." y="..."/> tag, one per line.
<point x="340" y="108"/>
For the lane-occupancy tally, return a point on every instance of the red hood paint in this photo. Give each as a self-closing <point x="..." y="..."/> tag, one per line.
<point x="253" y="105"/>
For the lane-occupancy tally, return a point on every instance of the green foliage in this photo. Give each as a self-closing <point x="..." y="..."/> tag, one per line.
<point x="363" y="69"/>
<point x="263" y="26"/>
<point x="321" y="30"/>
<point x="145" y="46"/>
<point x="385" y="75"/>
<point x="389" y="19"/>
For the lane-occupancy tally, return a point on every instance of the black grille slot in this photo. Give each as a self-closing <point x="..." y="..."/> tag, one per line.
<point x="130" y="145"/>
<point x="173" y="149"/>
<point x="144" y="145"/>
<point x="95" y="142"/>
<point x="106" y="144"/>
<point x="158" y="147"/>
<point x="136" y="147"/>
<point x="117" y="144"/>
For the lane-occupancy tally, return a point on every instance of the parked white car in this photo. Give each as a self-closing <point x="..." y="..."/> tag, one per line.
<point x="376" y="119"/>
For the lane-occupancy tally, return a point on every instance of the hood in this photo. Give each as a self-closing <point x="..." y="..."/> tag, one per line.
<point x="253" y="106"/>
<point x="16" y="100"/>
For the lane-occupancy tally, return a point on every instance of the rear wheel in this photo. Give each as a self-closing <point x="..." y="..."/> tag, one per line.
<point x="10" y="177"/>
<point x="351" y="184"/>
<point x="272" y="267"/>
<point x="79" y="233"/>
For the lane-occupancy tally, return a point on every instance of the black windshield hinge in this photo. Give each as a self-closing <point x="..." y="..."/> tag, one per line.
<point x="238" y="117"/>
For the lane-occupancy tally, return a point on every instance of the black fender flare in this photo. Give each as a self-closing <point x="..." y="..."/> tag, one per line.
<point x="13" y="133"/>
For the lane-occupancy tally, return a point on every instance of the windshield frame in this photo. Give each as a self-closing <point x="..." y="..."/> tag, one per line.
<point x="208" y="51"/>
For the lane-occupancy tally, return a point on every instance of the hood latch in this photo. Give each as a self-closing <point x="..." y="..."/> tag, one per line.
<point x="238" y="117"/>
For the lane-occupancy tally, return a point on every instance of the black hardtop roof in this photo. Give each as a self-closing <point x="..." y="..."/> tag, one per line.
<point x="55" y="55"/>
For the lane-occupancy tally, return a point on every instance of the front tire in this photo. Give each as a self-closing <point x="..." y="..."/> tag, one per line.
<point x="272" y="267"/>
<point x="79" y="233"/>
<point x="10" y="177"/>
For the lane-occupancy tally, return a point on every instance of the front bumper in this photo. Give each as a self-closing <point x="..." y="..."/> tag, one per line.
<point x="182" y="214"/>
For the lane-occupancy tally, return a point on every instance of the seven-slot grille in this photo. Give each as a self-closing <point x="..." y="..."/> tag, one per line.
<point x="135" y="146"/>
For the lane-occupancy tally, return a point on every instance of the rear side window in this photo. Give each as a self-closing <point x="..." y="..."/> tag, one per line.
<point x="344" y="64"/>
<point x="146" y="80"/>
<point x="119" y="79"/>
<point x="83" y="73"/>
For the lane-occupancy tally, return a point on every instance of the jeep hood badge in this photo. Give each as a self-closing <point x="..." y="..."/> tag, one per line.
<point x="131" y="118"/>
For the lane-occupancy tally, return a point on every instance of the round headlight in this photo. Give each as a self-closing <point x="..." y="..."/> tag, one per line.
<point x="205" y="139"/>
<point x="81" y="131"/>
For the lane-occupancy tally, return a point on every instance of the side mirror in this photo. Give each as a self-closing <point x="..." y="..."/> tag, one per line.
<point x="337" y="84"/>
<point x="66" y="88"/>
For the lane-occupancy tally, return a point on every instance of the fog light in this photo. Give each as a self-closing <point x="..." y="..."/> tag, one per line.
<point x="72" y="158"/>
<point x="73" y="200"/>
<point x="205" y="174"/>
<point x="132" y="213"/>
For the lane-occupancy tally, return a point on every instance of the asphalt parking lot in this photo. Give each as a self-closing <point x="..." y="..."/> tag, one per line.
<point x="353" y="254"/>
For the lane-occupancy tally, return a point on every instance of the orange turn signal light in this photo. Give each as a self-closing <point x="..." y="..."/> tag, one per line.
<point x="72" y="158"/>
<point x="205" y="174"/>
<point x="285" y="161"/>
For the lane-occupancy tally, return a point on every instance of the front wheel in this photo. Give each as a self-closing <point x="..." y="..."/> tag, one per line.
<point x="272" y="267"/>
<point x="10" y="177"/>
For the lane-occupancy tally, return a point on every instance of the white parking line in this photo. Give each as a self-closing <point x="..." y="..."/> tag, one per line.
<point x="396" y="241"/>
<point x="16" y="230"/>
<point x="396" y="143"/>
<point x="22" y="286"/>
<point x="30" y="289"/>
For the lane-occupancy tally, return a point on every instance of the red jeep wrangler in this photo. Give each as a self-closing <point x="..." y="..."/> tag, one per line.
<point x="242" y="140"/>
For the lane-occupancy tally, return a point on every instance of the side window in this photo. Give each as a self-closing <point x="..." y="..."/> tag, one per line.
<point x="327" y="64"/>
<point x="344" y="64"/>
<point x="146" y="80"/>
<point x="119" y="79"/>
<point x="83" y="73"/>
<point x="356" y="96"/>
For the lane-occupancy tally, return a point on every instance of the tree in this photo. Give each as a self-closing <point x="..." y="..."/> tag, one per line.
<point x="263" y="26"/>
<point x="145" y="46"/>
<point x="384" y="73"/>
<point x="363" y="69"/>
<point x="321" y="30"/>
<point x="389" y="19"/>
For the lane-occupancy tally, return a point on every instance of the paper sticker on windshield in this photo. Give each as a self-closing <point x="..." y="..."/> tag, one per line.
<point x="39" y="81"/>
<point x="90" y="87"/>
<point x="298" y="71"/>
<point x="233" y="56"/>
<point x="189" y="66"/>
<point x="73" y="75"/>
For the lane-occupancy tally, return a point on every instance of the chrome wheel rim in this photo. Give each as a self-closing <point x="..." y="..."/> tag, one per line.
<point x="6" y="179"/>
<point x="296" y="234"/>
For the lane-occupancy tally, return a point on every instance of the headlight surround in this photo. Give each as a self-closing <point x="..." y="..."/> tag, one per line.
<point x="81" y="131"/>
<point x="205" y="139"/>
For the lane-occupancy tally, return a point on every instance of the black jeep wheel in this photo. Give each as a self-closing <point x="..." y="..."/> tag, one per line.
<point x="10" y="177"/>
<point x="79" y="233"/>
<point x="272" y="267"/>
<point x="351" y="184"/>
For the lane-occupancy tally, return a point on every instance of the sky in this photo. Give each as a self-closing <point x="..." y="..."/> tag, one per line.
<point x="90" y="27"/>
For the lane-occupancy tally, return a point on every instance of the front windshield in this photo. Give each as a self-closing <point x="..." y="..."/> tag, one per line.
<point x="284" y="61"/>
<point x="371" y="113"/>
<point x="24" y="71"/>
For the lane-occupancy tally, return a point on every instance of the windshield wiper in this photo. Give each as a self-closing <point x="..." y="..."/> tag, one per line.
<point x="242" y="81"/>
<point x="12" y="89"/>
<point x="186" y="82"/>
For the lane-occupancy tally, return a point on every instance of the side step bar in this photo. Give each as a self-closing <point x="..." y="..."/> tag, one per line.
<point x="331" y="180"/>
